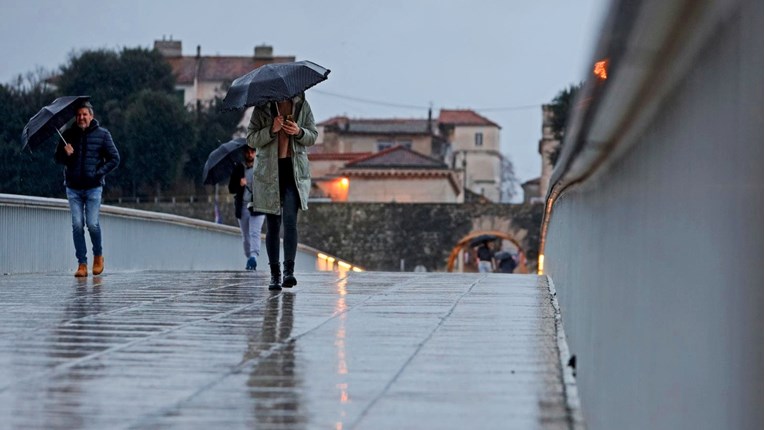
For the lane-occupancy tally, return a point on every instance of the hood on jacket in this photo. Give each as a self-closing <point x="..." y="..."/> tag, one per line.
<point x="297" y="104"/>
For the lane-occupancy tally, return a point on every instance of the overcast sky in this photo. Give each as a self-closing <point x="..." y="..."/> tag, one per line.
<point x="503" y="58"/>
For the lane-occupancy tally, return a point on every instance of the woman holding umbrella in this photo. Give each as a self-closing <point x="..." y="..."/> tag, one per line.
<point x="281" y="132"/>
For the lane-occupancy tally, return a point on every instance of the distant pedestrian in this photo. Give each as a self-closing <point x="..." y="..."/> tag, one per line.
<point x="281" y="132"/>
<point x="251" y="224"/>
<point x="506" y="263"/>
<point x="88" y="154"/>
<point x="485" y="257"/>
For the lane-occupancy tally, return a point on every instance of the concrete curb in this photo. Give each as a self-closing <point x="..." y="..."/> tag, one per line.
<point x="573" y="405"/>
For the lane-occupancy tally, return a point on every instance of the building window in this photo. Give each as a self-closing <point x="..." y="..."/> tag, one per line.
<point x="385" y="144"/>
<point x="479" y="139"/>
<point x="180" y="95"/>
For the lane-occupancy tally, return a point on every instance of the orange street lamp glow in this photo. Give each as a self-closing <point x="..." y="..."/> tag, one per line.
<point x="541" y="265"/>
<point x="601" y="70"/>
<point x="344" y="182"/>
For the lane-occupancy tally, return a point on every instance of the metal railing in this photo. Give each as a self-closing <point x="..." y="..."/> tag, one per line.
<point x="223" y="198"/>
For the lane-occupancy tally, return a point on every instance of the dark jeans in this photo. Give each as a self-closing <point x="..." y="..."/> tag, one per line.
<point x="85" y="206"/>
<point x="290" y="202"/>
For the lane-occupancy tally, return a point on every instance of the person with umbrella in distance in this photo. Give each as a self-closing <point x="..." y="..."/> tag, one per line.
<point x="88" y="154"/>
<point x="281" y="132"/>
<point x="251" y="223"/>
<point x="505" y="262"/>
<point x="485" y="257"/>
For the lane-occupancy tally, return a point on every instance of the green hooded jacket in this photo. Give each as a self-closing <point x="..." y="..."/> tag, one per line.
<point x="266" y="176"/>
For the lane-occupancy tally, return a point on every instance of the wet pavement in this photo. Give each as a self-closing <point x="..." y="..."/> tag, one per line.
<point x="371" y="350"/>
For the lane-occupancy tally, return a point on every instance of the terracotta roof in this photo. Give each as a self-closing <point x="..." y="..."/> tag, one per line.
<point x="397" y="157"/>
<point x="463" y="117"/>
<point x="217" y="69"/>
<point x="386" y="126"/>
<point x="404" y="173"/>
<point x="339" y="156"/>
<point x="335" y="120"/>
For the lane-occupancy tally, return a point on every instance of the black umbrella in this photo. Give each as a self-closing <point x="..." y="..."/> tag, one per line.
<point x="49" y="119"/>
<point x="273" y="82"/>
<point x="482" y="238"/>
<point x="221" y="161"/>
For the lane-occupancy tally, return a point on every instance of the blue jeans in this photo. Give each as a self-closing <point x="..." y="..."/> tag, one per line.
<point x="251" y="226"/>
<point x="85" y="206"/>
<point x="484" y="266"/>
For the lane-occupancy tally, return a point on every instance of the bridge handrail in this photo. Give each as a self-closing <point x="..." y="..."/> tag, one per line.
<point x="652" y="229"/>
<point x="642" y="70"/>
<point x="61" y="204"/>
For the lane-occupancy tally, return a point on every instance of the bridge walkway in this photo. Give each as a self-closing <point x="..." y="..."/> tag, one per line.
<point x="367" y="350"/>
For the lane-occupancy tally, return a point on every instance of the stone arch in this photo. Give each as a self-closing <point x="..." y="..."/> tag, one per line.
<point x="473" y="234"/>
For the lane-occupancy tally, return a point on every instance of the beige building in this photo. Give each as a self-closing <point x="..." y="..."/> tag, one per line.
<point x="548" y="145"/>
<point x="399" y="174"/>
<point x="474" y="143"/>
<point x="535" y="190"/>
<point x="343" y="135"/>
<point x="200" y="78"/>
<point x="465" y="142"/>
<point x="326" y="180"/>
<point x="531" y="193"/>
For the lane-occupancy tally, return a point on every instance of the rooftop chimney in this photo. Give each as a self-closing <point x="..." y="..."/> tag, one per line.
<point x="168" y="48"/>
<point x="264" y="52"/>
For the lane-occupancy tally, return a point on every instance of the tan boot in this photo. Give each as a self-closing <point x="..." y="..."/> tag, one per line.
<point x="82" y="271"/>
<point x="98" y="264"/>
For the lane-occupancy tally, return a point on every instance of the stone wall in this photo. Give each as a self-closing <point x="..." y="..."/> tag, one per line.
<point x="377" y="236"/>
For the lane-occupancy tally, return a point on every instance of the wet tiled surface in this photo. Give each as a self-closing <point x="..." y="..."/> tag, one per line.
<point x="204" y="350"/>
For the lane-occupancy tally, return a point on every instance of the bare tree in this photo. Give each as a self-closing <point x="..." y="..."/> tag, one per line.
<point x="509" y="183"/>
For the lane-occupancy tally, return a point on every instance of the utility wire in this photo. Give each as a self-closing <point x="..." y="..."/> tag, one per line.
<point x="399" y="105"/>
<point x="374" y="102"/>
<point x="507" y="108"/>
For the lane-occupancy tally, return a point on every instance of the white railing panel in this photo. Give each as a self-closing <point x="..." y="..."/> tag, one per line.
<point x="36" y="236"/>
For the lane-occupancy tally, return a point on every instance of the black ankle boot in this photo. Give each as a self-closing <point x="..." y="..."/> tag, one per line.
<point x="289" y="274"/>
<point x="276" y="275"/>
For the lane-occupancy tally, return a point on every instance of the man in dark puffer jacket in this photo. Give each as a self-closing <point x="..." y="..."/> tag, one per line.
<point x="88" y="154"/>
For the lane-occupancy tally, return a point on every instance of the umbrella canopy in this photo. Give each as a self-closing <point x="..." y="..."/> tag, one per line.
<point x="273" y="82"/>
<point x="221" y="161"/>
<point x="49" y="119"/>
<point x="482" y="238"/>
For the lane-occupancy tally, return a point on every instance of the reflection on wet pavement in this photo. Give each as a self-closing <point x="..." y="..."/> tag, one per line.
<point x="73" y="338"/>
<point x="272" y="382"/>
<point x="218" y="350"/>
